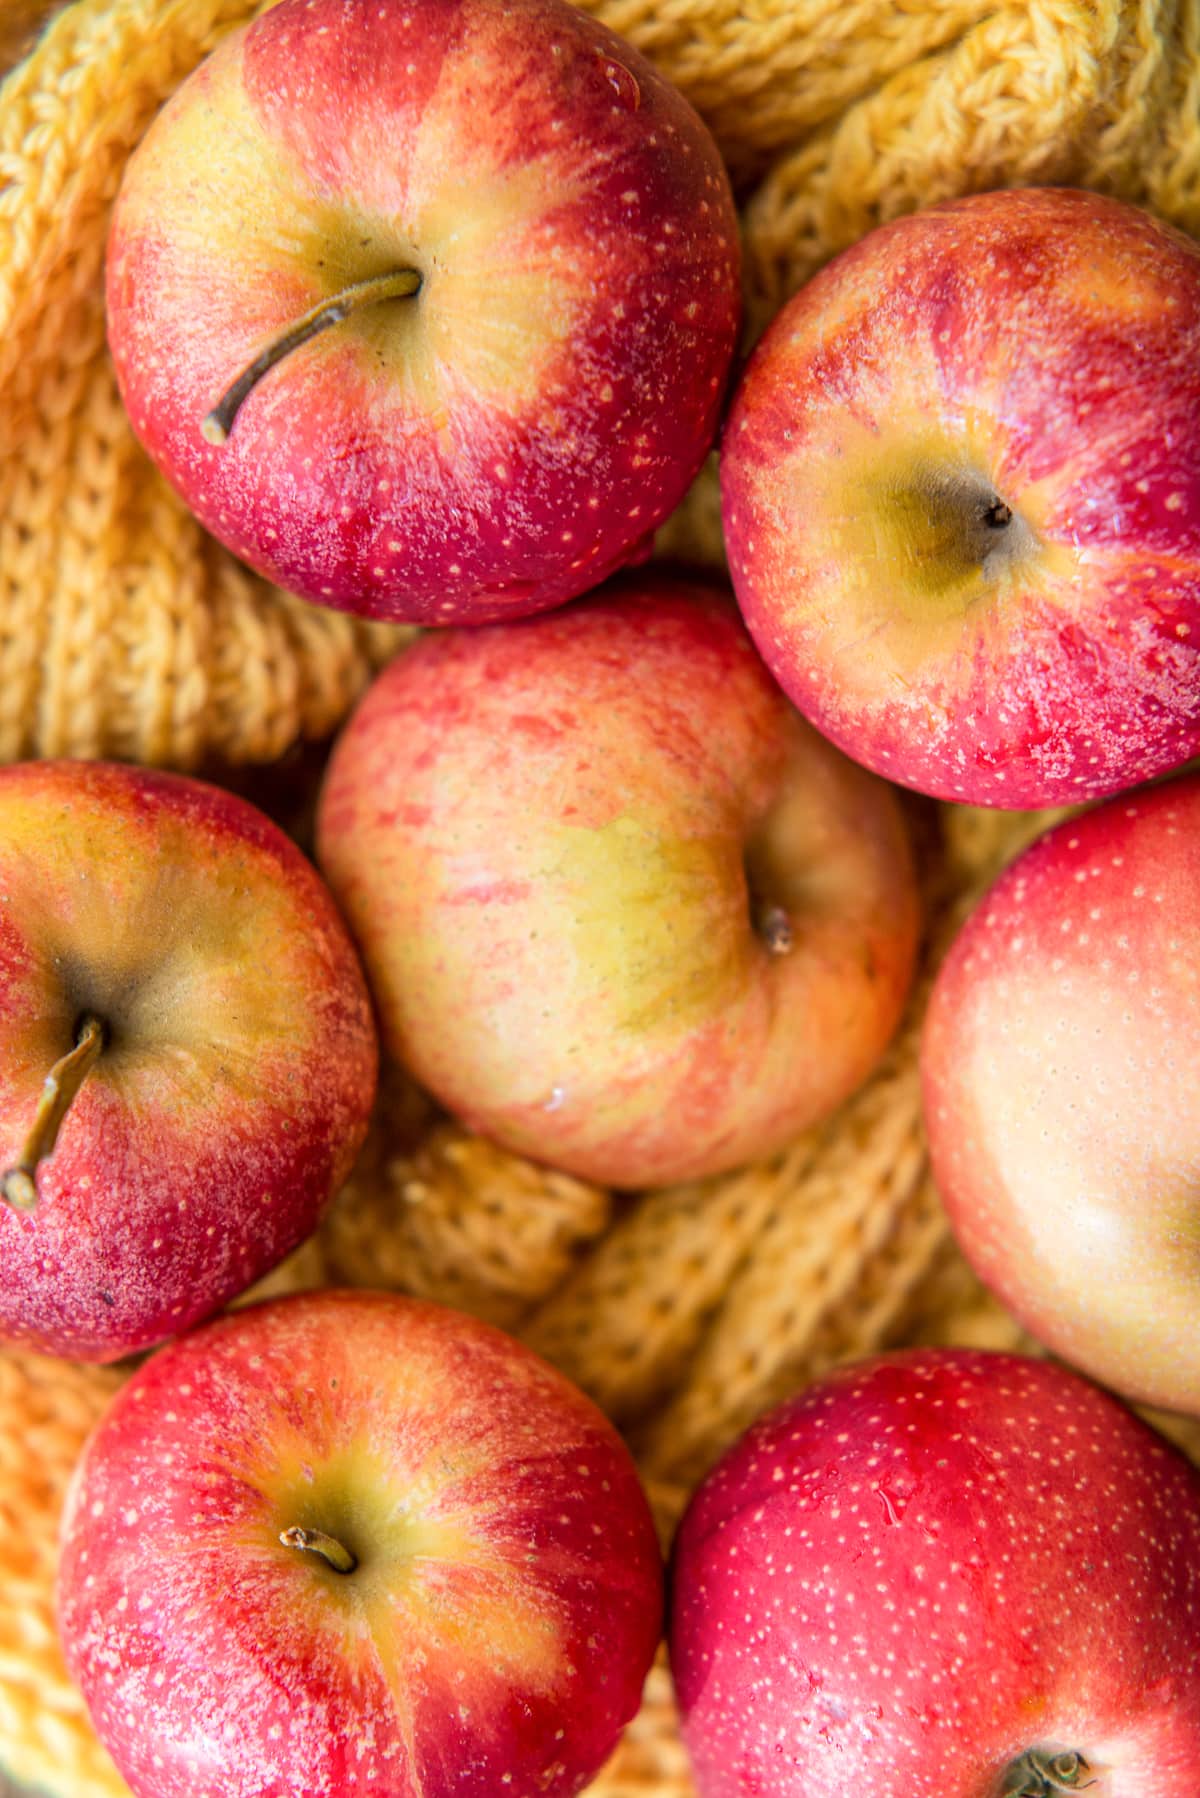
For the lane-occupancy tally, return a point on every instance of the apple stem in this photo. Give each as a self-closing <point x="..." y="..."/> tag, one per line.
<point x="333" y="311"/>
<point x="318" y="1543"/>
<point x="773" y="926"/>
<point x="998" y="515"/>
<point x="19" y="1185"/>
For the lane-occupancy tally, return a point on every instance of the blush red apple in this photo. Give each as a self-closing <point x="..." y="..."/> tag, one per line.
<point x="961" y="494"/>
<point x="1057" y="1062"/>
<point x="501" y="255"/>
<point x="942" y="1574"/>
<point x="180" y="969"/>
<point x="621" y="908"/>
<point x="349" y="1543"/>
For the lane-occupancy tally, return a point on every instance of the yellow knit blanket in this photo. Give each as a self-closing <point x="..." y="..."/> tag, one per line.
<point x="125" y="631"/>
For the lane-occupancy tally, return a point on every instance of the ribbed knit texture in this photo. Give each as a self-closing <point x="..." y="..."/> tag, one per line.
<point x="125" y="631"/>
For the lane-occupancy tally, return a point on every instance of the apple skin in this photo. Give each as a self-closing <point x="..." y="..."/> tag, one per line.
<point x="235" y="1088"/>
<point x="504" y="1612"/>
<point x="543" y="836"/>
<point x="926" y="1565"/>
<point x="508" y="436"/>
<point x="1057" y="1064"/>
<point x="1038" y="348"/>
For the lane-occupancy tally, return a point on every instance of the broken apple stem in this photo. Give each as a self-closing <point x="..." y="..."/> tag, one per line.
<point x="316" y="1542"/>
<point x="774" y="929"/>
<point x="333" y="311"/>
<point x="19" y="1185"/>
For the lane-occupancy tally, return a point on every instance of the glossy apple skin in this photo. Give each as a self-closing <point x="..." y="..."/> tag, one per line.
<point x="1045" y="344"/>
<point x="541" y="835"/>
<point x="235" y="1089"/>
<point x="1057" y="1064"/>
<point x="508" y="1597"/>
<point x="925" y="1565"/>
<point x="510" y="435"/>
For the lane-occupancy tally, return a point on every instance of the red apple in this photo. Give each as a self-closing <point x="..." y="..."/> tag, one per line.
<point x="349" y="1543"/>
<point x="171" y="959"/>
<point x="1058" y="1062"/>
<point x="621" y="908"/>
<point x="961" y="492"/>
<point x="478" y="265"/>
<point x="943" y="1575"/>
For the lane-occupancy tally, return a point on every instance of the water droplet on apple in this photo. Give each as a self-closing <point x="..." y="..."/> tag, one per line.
<point x="623" y="84"/>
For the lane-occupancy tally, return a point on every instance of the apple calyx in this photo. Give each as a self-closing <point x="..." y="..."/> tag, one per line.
<point x="1040" y="1774"/>
<point x="947" y="523"/>
<point x="398" y="285"/>
<point x="316" y="1542"/>
<point x="19" y="1183"/>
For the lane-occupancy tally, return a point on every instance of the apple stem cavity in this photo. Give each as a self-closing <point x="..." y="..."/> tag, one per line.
<point x="19" y="1185"/>
<point x="1039" y="1774"/>
<point x="947" y="522"/>
<point x="398" y="285"/>
<point x="316" y="1542"/>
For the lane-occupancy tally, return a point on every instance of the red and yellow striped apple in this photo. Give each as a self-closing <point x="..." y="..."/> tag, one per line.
<point x="177" y="970"/>
<point x="426" y="307"/>
<point x="349" y="1543"/>
<point x="961" y="492"/>
<point x="1058" y="1061"/>
<point x="621" y="908"/>
<point x="943" y="1574"/>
